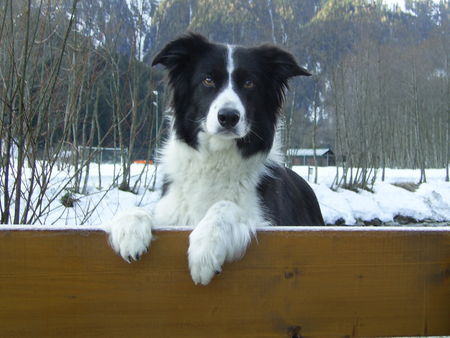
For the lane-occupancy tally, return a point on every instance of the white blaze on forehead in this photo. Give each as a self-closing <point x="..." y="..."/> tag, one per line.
<point x="230" y="61"/>
<point x="227" y="98"/>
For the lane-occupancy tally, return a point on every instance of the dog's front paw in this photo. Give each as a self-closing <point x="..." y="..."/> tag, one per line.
<point x="205" y="258"/>
<point x="130" y="233"/>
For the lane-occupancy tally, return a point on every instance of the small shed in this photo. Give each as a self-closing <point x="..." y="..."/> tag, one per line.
<point x="305" y="156"/>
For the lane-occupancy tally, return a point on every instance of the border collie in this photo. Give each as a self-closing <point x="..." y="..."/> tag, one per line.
<point x="222" y="171"/>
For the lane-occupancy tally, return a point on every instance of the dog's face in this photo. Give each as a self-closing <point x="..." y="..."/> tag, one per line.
<point x="228" y="92"/>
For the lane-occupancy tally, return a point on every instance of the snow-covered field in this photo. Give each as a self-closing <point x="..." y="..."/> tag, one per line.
<point x="431" y="201"/>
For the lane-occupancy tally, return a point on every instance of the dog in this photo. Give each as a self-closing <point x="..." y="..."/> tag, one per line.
<point x="222" y="170"/>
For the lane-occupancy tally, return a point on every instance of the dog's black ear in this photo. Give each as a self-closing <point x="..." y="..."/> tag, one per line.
<point x="281" y="62"/>
<point x="181" y="50"/>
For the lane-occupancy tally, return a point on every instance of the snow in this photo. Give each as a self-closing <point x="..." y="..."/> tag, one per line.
<point x="400" y="4"/>
<point x="15" y="227"/>
<point x="431" y="201"/>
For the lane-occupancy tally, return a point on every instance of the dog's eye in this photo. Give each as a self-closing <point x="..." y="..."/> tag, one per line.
<point x="208" y="82"/>
<point x="249" y="84"/>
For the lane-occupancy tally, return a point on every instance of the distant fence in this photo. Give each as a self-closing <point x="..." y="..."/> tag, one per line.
<point x="292" y="282"/>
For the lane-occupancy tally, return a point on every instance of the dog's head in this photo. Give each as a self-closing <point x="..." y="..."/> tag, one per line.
<point x="229" y="92"/>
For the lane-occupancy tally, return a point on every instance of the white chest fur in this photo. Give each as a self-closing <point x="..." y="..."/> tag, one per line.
<point x="200" y="178"/>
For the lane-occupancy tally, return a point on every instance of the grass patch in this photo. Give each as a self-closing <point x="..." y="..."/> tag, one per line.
<point x="410" y="186"/>
<point x="68" y="199"/>
<point x="357" y="187"/>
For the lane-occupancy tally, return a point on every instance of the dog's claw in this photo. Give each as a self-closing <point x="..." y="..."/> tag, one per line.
<point x="130" y="233"/>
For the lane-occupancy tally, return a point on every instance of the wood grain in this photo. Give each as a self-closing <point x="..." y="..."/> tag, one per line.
<point x="289" y="284"/>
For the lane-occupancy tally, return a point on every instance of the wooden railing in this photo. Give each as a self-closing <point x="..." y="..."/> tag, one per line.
<point x="293" y="282"/>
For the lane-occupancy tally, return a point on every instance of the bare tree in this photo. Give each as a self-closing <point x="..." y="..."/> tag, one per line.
<point x="27" y="101"/>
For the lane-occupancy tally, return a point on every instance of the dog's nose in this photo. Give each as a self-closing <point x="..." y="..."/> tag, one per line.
<point x="228" y="118"/>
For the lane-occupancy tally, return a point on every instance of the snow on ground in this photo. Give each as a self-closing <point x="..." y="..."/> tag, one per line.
<point x="100" y="205"/>
<point x="431" y="201"/>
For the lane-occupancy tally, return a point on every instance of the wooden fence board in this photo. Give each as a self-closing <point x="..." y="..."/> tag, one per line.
<point x="289" y="284"/>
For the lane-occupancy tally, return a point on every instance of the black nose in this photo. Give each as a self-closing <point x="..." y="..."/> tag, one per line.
<point x="228" y="118"/>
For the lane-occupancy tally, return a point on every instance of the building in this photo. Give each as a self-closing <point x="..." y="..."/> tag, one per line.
<point x="324" y="156"/>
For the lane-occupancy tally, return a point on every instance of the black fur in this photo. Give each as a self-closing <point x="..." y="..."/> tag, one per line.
<point x="287" y="198"/>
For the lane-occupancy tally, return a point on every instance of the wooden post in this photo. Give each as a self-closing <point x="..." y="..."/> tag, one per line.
<point x="292" y="282"/>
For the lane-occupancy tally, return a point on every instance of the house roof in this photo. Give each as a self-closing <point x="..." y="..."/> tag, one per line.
<point x="308" y="152"/>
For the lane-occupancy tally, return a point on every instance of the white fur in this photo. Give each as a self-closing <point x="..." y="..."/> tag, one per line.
<point x="200" y="178"/>
<point x="212" y="188"/>
<point x="227" y="98"/>
<point x="130" y="233"/>
<point x="222" y="235"/>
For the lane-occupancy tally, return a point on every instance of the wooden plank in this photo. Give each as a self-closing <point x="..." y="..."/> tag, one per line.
<point x="289" y="284"/>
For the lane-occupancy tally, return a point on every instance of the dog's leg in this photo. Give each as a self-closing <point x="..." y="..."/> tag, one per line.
<point x="222" y="235"/>
<point x="130" y="233"/>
